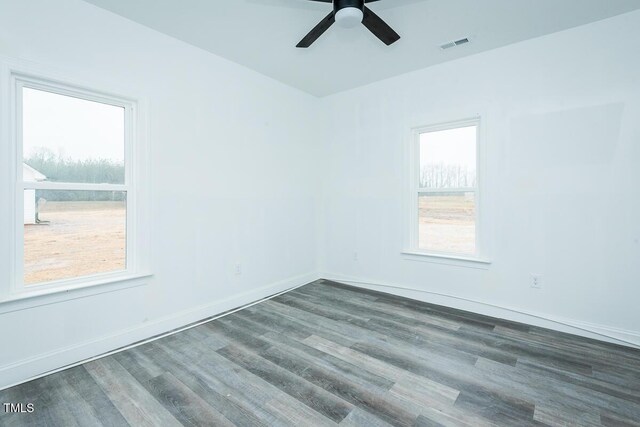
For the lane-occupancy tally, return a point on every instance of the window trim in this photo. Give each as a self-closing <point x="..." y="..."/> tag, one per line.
<point x="17" y="289"/>
<point x="411" y="248"/>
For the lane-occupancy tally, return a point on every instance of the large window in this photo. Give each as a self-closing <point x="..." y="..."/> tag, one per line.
<point x="444" y="196"/>
<point x="75" y="199"/>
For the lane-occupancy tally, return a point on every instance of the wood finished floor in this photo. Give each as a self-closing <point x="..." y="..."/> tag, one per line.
<point x="328" y="354"/>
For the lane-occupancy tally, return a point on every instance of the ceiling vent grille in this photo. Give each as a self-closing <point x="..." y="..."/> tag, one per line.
<point x="454" y="43"/>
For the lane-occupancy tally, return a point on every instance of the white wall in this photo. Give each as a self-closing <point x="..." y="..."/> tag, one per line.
<point x="232" y="166"/>
<point x="561" y="118"/>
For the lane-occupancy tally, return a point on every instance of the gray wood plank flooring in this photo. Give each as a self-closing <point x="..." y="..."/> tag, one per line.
<point x="329" y="354"/>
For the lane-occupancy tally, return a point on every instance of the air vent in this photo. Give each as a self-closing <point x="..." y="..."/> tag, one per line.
<point x="454" y="43"/>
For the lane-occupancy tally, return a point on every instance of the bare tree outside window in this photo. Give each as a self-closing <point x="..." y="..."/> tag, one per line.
<point x="441" y="175"/>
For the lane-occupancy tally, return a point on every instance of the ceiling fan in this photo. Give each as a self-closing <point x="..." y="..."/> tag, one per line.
<point x="349" y="13"/>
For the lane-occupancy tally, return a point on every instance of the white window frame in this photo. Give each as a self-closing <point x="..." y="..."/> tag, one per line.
<point x="137" y="233"/>
<point x="412" y="238"/>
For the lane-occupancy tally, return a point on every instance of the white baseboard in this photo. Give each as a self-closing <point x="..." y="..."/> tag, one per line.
<point x="44" y="364"/>
<point x="589" y="330"/>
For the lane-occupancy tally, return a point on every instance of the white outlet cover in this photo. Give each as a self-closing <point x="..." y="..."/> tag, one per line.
<point x="536" y="281"/>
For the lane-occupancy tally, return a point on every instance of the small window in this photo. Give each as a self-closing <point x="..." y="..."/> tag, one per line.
<point x="77" y="190"/>
<point x="444" y="198"/>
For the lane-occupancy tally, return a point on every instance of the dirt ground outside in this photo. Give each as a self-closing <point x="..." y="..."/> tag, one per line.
<point x="80" y="239"/>
<point x="447" y="224"/>
<point x="86" y="238"/>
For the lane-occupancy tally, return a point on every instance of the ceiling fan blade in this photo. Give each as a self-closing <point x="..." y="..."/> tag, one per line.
<point x="379" y="28"/>
<point x="317" y="31"/>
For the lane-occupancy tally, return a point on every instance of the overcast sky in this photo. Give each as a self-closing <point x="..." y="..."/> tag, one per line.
<point x="75" y="128"/>
<point x="81" y="130"/>
<point x="451" y="147"/>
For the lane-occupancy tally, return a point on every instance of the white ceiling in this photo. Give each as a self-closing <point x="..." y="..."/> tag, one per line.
<point x="262" y="34"/>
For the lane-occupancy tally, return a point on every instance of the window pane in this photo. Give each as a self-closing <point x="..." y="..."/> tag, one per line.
<point x="446" y="222"/>
<point x="67" y="139"/>
<point x="69" y="234"/>
<point x="448" y="158"/>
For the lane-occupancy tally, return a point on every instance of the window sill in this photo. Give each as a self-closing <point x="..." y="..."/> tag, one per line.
<point x="29" y="299"/>
<point x="454" y="260"/>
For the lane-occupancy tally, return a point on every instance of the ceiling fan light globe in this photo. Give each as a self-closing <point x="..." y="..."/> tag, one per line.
<point x="349" y="17"/>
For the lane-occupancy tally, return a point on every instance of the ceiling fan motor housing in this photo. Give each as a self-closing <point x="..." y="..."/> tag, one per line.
<point x="341" y="4"/>
<point x="351" y="13"/>
<point x="348" y="13"/>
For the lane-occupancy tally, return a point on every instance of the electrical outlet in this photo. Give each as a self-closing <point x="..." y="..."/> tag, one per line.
<point x="355" y="256"/>
<point x="238" y="269"/>
<point x="536" y="281"/>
